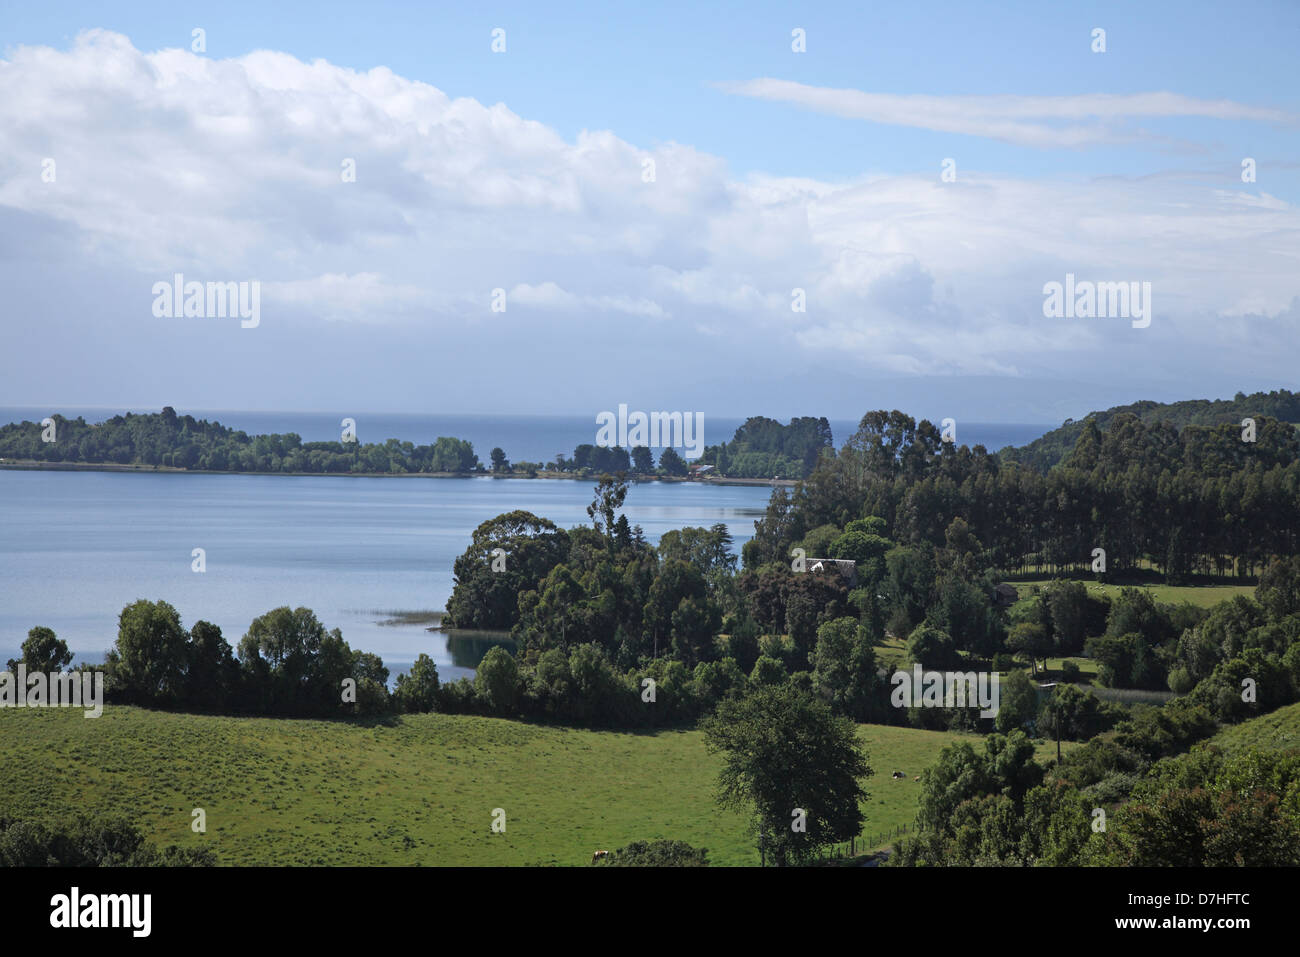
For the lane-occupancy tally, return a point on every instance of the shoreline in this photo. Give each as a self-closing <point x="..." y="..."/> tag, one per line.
<point x="35" y="465"/>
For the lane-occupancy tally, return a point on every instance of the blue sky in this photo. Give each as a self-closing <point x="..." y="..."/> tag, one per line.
<point x="650" y="72"/>
<point x="776" y="169"/>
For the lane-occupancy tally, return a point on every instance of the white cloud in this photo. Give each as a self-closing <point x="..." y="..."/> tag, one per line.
<point x="1008" y="118"/>
<point x="230" y="169"/>
<point x="336" y="296"/>
<point x="548" y="295"/>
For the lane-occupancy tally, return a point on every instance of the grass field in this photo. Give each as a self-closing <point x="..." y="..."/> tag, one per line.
<point x="1088" y="669"/>
<point x="892" y="652"/>
<point x="1277" y="730"/>
<point x="418" y="791"/>
<point x="1206" y="596"/>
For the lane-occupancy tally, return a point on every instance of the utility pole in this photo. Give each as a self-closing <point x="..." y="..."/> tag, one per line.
<point x="1058" y="730"/>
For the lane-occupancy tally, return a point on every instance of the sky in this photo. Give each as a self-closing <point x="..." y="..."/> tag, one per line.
<point x="753" y="208"/>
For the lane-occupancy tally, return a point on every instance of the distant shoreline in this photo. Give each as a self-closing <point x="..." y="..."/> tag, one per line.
<point x="35" y="465"/>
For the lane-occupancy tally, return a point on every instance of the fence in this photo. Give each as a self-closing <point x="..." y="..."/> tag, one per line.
<point x="858" y="846"/>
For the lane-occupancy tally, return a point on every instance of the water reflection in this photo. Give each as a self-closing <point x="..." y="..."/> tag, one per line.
<point x="467" y="648"/>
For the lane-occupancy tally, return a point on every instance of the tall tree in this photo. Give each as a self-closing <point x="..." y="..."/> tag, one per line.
<point x="148" y="661"/>
<point x="643" y="462"/>
<point x="43" y="651"/>
<point x="844" y="667"/>
<point x="795" y="767"/>
<point x="670" y="463"/>
<point x="611" y="490"/>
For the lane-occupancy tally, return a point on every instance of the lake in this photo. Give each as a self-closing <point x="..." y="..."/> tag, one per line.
<point x="362" y="552"/>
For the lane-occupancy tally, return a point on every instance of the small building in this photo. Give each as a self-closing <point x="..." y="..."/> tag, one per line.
<point x="847" y="568"/>
<point x="1006" y="595"/>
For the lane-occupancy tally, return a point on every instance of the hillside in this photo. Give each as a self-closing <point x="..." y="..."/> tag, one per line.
<point x="1278" y="730"/>
<point x="1054" y="446"/>
<point x="420" y="790"/>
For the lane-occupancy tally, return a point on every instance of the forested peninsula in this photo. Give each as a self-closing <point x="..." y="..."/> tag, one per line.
<point x="760" y="449"/>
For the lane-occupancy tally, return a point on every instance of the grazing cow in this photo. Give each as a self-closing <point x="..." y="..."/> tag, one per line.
<point x="898" y="774"/>
<point x="598" y="855"/>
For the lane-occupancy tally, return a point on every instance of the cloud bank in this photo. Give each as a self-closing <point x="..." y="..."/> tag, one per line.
<point x="237" y="169"/>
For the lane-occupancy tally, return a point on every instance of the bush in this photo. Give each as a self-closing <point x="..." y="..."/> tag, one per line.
<point x="899" y="624"/>
<point x="768" y="671"/>
<point x="656" y="854"/>
<point x="1114" y="787"/>
<point x="1004" y="662"/>
<point x="932" y="648"/>
<point x="774" y="646"/>
<point x="1181" y="681"/>
<point x="496" y="682"/>
<point x="417" y="691"/>
<point x="88" y="842"/>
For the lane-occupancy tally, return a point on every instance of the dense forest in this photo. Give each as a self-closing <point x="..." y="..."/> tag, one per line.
<point x="1053" y="447"/>
<point x="1202" y="499"/>
<point x="764" y="448"/>
<point x="760" y="448"/>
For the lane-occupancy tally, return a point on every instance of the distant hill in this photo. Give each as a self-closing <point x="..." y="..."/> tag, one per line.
<point x="1051" y="448"/>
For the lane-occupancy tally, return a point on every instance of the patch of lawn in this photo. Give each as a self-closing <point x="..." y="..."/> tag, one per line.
<point x="892" y="652"/>
<point x="1204" y="596"/>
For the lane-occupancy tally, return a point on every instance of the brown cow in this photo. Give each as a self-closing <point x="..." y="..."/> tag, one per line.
<point x="598" y="855"/>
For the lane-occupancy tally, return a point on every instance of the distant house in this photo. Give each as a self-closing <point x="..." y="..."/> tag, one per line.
<point x="698" y="471"/>
<point x="1006" y="595"/>
<point x="847" y="568"/>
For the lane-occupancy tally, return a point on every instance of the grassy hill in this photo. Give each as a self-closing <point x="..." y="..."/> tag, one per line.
<point x="1278" y="730"/>
<point x="420" y="790"/>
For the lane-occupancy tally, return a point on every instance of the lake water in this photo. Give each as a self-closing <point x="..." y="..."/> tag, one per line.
<point x="75" y="547"/>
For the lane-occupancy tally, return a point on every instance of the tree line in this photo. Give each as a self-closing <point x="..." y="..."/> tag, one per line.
<point x="1051" y="448"/>
<point x="168" y="440"/>
<point x="764" y="448"/>
<point x="1199" y="500"/>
